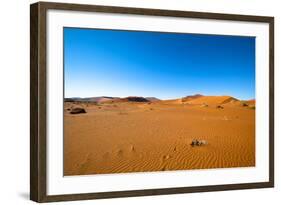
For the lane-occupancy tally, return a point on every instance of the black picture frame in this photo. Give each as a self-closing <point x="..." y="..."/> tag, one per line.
<point x="38" y="103"/>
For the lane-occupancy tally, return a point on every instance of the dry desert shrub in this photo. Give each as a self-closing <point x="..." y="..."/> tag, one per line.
<point x="196" y="142"/>
<point x="77" y="110"/>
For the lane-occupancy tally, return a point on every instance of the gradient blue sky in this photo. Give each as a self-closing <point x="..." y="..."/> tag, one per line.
<point x="162" y="65"/>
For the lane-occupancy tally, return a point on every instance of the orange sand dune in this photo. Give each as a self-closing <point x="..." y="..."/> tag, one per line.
<point x="191" y="97"/>
<point x="212" y="100"/>
<point x="156" y="136"/>
<point x="171" y="102"/>
<point x="251" y="102"/>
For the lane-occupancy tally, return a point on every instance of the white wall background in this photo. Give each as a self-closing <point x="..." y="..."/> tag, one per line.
<point x="14" y="101"/>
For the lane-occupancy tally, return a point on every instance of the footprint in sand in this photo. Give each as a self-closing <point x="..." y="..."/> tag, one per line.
<point x="164" y="168"/>
<point x="84" y="164"/>
<point x="132" y="148"/>
<point x="165" y="157"/>
<point x="120" y="152"/>
<point x="225" y="118"/>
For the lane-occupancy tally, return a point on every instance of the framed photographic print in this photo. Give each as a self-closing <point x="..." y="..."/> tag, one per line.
<point x="134" y="102"/>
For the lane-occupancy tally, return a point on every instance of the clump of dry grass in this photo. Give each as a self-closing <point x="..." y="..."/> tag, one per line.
<point x="196" y="142"/>
<point x="77" y="110"/>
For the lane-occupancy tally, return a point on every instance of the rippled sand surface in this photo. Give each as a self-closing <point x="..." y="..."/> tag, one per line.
<point x="140" y="137"/>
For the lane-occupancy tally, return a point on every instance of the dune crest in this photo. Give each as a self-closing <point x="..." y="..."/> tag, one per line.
<point x="211" y="100"/>
<point x="191" y="97"/>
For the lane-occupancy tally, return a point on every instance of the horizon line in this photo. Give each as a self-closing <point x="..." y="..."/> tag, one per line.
<point x="106" y="96"/>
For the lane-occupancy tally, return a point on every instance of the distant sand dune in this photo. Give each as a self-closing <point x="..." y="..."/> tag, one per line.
<point x="212" y="100"/>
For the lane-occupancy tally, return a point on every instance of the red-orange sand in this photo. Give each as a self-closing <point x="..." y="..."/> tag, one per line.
<point x="120" y="137"/>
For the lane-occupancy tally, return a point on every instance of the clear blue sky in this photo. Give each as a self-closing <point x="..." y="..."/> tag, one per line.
<point x="162" y="65"/>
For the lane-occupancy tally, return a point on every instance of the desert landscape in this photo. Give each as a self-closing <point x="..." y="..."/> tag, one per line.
<point x="143" y="113"/>
<point x="106" y="135"/>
